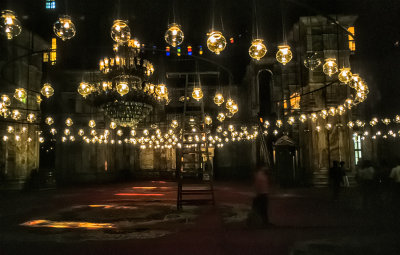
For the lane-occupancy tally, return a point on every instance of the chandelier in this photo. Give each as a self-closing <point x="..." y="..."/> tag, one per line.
<point x="122" y="88"/>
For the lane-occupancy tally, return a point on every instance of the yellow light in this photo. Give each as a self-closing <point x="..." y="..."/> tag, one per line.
<point x="234" y="109"/>
<point x="328" y="126"/>
<point x="284" y="54"/>
<point x="208" y="119"/>
<point x="122" y="88"/>
<point x="229" y="103"/>
<point x="15" y="115"/>
<point x="10" y="25"/>
<point x="20" y="94"/>
<point x="6" y="100"/>
<point x="330" y="67"/>
<point x="161" y="90"/>
<point x="84" y="89"/>
<point x="64" y="28"/>
<point x="113" y="125"/>
<point x="49" y="121"/>
<point x="303" y="118"/>
<point x="92" y="123"/>
<point x="197" y="93"/>
<point x="174" y="35"/>
<point x="120" y="31"/>
<point x="324" y="114"/>
<point x="67" y="131"/>
<point x="174" y="124"/>
<point x="345" y="75"/>
<point x="10" y="129"/>
<point x="332" y="111"/>
<point x="69" y="122"/>
<point x="257" y="49"/>
<point x="221" y="116"/>
<point x="291" y="120"/>
<point x="216" y="42"/>
<point x="81" y="132"/>
<point x="279" y="123"/>
<point x="47" y="90"/>
<point x="350" y="124"/>
<point x="218" y="99"/>
<point x="31" y="117"/>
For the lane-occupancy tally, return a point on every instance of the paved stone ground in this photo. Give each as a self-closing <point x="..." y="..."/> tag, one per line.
<point x="140" y="218"/>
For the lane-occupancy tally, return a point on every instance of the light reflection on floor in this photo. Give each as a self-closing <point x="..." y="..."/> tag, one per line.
<point x="113" y="206"/>
<point x="139" y="194"/>
<point x="67" y="224"/>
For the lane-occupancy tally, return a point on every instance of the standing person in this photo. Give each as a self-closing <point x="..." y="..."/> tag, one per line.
<point x="366" y="177"/>
<point x="343" y="171"/>
<point x="335" y="179"/>
<point x="258" y="216"/>
<point x="395" y="177"/>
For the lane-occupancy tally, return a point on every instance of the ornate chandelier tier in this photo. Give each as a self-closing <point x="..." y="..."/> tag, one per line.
<point x="122" y="88"/>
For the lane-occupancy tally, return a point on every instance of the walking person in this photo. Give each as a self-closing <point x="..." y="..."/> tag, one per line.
<point x="258" y="217"/>
<point x="335" y="179"/>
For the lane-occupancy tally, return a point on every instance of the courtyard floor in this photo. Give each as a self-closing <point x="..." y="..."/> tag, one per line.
<point x="141" y="218"/>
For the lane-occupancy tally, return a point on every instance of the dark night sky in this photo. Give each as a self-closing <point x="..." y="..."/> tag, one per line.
<point x="377" y="31"/>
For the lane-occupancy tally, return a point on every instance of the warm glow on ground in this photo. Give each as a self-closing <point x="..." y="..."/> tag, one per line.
<point x="138" y="194"/>
<point x="66" y="224"/>
<point x="113" y="206"/>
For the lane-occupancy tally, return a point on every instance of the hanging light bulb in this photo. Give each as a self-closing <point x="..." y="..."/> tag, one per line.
<point x="113" y="125"/>
<point x="5" y="100"/>
<point x="345" y="75"/>
<point x="341" y="110"/>
<point x="92" y="123"/>
<point x="67" y="131"/>
<point x="291" y="120"/>
<point x="47" y="90"/>
<point x="354" y="80"/>
<point x="84" y="89"/>
<point x="20" y="94"/>
<point x="122" y="88"/>
<point x="279" y="123"/>
<point x="284" y="54"/>
<point x="208" y="120"/>
<point x="332" y="111"/>
<point x="174" y="35"/>
<point x="218" y="99"/>
<point x="64" y="28"/>
<point x="120" y="31"/>
<point x="69" y="122"/>
<point x="330" y="67"/>
<point x="49" y="121"/>
<point x="229" y="103"/>
<point x="81" y="132"/>
<point x="257" y="49"/>
<point x="234" y="109"/>
<point x="221" y="116"/>
<point x="312" y="61"/>
<point x="9" y="24"/>
<point x="303" y="118"/>
<point x="229" y="114"/>
<point x="31" y="117"/>
<point x="174" y="124"/>
<point x="15" y="115"/>
<point x="53" y="131"/>
<point x="161" y="90"/>
<point x="216" y="42"/>
<point x="197" y="93"/>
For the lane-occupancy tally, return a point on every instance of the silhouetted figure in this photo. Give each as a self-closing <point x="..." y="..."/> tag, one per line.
<point x="335" y="179"/>
<point x="258" y="216"/>
<point x="344" y="176"/>
<point x="395" y="177"/>
<point x="366" y="178"/>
